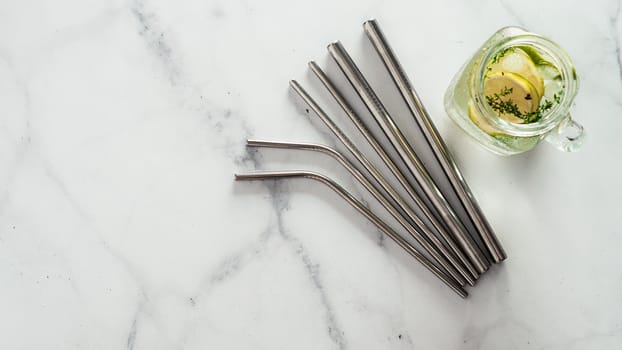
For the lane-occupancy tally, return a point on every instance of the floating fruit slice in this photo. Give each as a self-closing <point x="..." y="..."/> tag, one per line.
<point x="482" y="123"/>
<point x="514" y="91"/>
<point x="547" y="70"/>
<point x="535" y="56"/>
<point x="509" y="140"/>
<point x="517" y="61"/>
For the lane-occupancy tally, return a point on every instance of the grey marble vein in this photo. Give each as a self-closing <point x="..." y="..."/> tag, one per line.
<point x="616" y="38"/>
<point x="85" y="217"/>
<point x="22" y="141"/>
<point x="155" y="39"/>
<point x="280" y="203"/>
<point x="580" y="342"/>
<point x="131" y="337"/>
<point x="512" y="13"/>
<point x="108" y="106"/>
<point x="190" y="93"/>
<point x="232" y="265"/>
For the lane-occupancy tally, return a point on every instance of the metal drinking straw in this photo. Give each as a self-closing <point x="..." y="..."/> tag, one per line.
<point x="419" y="232"/>
<point x="345" y="140"/>
<point x="384" y="227"/>
<point x="407" y="154"/>
<point x="421" y="116"/>
<point x="371" y="139"/>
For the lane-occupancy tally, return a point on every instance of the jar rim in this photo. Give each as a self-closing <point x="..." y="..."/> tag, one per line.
<point x="551" y="118"/>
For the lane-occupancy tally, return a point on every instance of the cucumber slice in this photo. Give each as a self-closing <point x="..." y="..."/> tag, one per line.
<point x="547" y="69"/>
<point x="535" y="56"/>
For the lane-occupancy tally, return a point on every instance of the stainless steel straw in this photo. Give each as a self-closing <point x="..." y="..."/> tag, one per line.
<point x="371" y="139"/>
<point x="406" y="153"/>
<point x="419" y="232"/>
<point x="384" y="227"/>
<point x="375" y="173"/>
<point x="421" y="116"/>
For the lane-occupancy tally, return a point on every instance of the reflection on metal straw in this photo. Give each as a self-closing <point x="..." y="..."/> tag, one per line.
<point x="433" y="138"/>
<point x="366" y="212"/>
<point x="371" y="139"/>
<point x="419" y="232"/>
<point x="406" y="153"/>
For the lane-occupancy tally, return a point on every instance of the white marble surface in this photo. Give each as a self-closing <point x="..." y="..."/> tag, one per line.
<point x="122" y="123"/>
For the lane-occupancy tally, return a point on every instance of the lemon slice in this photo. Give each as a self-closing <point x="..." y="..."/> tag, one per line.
<point x="482" y="123"/>
<point x="509" y="140"/>
<point x="519" y="90"/>
<point x="517" y="61"/>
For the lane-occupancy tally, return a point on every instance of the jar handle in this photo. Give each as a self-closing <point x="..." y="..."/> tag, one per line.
<point x="568" y="136"/>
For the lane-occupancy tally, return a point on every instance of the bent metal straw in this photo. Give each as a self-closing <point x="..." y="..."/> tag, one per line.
<point x="419" y="231"/>
<point x="384" y="227"/>
<point x="447" y="241"/>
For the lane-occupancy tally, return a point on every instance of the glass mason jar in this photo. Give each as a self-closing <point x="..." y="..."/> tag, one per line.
<point x="515" y="92"/>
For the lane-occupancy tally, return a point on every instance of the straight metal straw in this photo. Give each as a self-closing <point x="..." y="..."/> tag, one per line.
<point x="341" y="136"/>
<point x="419" y="232"/>
<point x="421" y="116"/>
<point x="406" y="153"/>
<point x="384" y="227"/>
<point x="371" y="139"/>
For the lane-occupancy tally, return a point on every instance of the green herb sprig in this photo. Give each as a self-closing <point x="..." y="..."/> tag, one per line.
<point x="497" y="56"/>
<point x="508" y="106"/>
<point x="501" y="53"/>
